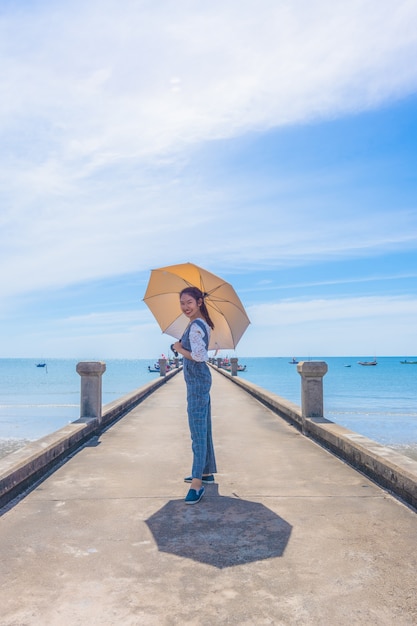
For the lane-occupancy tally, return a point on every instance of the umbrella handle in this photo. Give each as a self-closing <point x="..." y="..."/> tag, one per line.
<point x="174" y="351"/>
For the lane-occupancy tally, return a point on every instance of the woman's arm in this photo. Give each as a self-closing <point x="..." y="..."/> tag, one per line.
<point x="198" y="346"/>
<point x="198" y="350"/>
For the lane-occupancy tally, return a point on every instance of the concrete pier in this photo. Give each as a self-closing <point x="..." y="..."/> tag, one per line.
<point x="233" y="366"/>
<point x="312" y="402"/>
<point x="162" y="367"/>
<point x="289" y="534"/>
<point x="91" y="373"/>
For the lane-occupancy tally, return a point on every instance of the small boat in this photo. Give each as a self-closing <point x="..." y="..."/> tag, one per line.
<point x="374" y="362"/>
<point x="228" y="368"/>
<point x="226" y="364"/>
<point x="156" y="367"/>
<point x="408" y="362"/>
<point x="293" y="361"/>
<point x="40" y="364"/>
<point x="347" y="366"/>
<point x="170" y="364"/>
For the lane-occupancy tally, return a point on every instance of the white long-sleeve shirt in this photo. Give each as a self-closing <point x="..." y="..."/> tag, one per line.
<point x="198" y="346"/>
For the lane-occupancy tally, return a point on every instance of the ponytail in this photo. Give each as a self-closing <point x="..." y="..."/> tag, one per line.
<point x="206" y="315"/>
<point x="197" y="294"/>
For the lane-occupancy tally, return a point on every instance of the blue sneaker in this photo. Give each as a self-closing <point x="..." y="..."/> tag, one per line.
<point x="194" y="496"/>
<point x="207" y="480"/>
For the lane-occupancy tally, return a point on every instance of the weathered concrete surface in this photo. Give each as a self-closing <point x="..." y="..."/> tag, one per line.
<point x="19" y="470"/>
<point x="289" y="535"/>
<point x="390" y="469"/>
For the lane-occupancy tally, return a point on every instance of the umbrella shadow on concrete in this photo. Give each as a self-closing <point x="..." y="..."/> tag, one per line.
<point x="219" y="531"/>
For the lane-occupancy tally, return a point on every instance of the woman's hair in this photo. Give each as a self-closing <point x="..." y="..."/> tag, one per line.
<point x="195" y="293"/>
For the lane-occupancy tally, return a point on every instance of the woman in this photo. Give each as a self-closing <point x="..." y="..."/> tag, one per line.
<point x="193" y="346"/>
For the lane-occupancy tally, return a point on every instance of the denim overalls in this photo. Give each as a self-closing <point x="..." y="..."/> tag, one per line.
<point x="197" y="377"/>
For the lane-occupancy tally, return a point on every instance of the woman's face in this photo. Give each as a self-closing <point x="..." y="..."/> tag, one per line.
<point x="189" y="306"/>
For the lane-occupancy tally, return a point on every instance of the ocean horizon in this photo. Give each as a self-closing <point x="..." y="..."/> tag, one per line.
<point x="379" y="402"/>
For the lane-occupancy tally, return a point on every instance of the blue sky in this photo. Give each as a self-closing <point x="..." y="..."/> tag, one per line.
<point x="271" y="143"/>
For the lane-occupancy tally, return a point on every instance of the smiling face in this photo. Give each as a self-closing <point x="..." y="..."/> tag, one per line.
<point x="190" y="306"/>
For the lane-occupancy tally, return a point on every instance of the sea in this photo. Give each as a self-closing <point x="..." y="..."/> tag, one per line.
<point x="379" y="402"/>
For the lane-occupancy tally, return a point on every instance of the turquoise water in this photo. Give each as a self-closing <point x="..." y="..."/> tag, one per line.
<point x="379" y="402"/>
<point x="35" y="401"/>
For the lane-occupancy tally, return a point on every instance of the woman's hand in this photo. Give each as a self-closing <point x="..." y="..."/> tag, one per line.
<point x="185" y="353"/>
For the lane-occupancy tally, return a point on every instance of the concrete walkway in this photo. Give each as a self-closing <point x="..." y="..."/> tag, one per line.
<point x="289" y="534"/>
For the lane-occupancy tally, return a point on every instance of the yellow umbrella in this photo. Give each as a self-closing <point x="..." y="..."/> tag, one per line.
<point x="223" y="304"/>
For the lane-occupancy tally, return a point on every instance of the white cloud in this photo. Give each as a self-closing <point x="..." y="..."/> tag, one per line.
<point x="373" y="326"/>
<point x="103" y="85"/>
<point x="332" y="327"/>
<point x="292" y="312"/>
<point x="97" y="335"/>
<point x="104" y="103"/>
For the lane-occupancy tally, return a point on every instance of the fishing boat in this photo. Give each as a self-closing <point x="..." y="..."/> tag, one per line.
<point x="226" y="364"/>
<point x="156" y="367"/>
<point x="405" y="362"/>
<point x="170" y="364"/>
<point x="374" y="362"/>
<point x="40" y="364"/>
<point x="240" y="368"/>
<point x="293" y="361"/>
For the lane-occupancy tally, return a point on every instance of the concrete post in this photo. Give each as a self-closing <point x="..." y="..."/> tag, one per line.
<point x="312" y="373"/>
<point x="162" y="367"/>
<point x="219" y="361"/>
<point x="91" y="388"/>
<point x="176" y="362"/>
<point x="233" y="362"/>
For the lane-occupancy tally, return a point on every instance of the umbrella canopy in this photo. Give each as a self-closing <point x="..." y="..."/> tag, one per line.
<point x="222" y="302"/>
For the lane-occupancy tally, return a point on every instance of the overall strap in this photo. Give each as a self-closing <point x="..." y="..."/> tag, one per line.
<point x="201" y="324"/>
